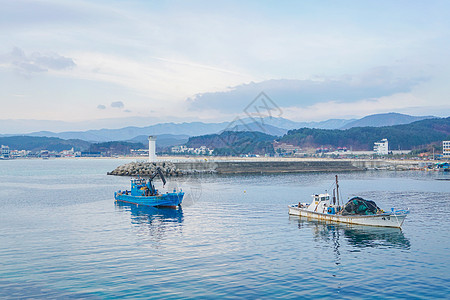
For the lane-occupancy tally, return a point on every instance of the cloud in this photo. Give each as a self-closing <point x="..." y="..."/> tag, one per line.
<point x="139" y="52"/>
<point x="155" y="78"/>
<point x="407" y="103"/>
<point x="117" y="104"/>
<point x="35" y="62"/>
<point x="101" y="106"/>
<point x="53" y="62"/>
<point x="375" y="83"/>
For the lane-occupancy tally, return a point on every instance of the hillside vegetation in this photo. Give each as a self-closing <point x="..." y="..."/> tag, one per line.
<point x="235" y="142"/>
<point x="408" y="136"/>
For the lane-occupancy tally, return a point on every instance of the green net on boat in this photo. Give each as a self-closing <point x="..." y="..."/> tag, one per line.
<point x="360" y="206"/>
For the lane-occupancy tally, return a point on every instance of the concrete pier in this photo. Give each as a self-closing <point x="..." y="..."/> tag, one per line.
<point x="239" y="167"/>
<point x="243" y="166"/>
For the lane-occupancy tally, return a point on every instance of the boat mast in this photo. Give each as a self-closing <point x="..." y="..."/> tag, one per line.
<point x="337" y="189"/>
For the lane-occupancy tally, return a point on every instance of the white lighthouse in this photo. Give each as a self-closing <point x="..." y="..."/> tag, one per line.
<point x="152" y="148"/>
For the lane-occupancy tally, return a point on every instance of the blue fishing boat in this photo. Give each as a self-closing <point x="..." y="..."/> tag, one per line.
<point x="143" y="192"/>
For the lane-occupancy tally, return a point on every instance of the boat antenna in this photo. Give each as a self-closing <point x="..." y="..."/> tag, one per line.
<point x="337" y="189"/>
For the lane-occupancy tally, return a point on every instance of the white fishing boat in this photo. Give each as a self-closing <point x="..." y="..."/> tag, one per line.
<point x="356" y="211"/>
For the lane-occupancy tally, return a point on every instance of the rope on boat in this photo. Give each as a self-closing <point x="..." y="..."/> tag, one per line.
<point x="399" y="212"/>
<point x="398" y="223"/>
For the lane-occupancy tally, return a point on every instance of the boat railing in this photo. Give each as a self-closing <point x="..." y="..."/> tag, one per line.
<point x="138" y="181"/>
<point x="399" y="211"/>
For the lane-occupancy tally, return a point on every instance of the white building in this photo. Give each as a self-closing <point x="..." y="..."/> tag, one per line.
<point x="381" y="147"/>
<point x="5" y="152"/>
<point x="446" y="148"/>
<point x="139" y="152"/>
<point x="68" y="153"/>
<point x="19" y="153"/>
<point x="152" y="148"/>
<point x="181" y="149"/>
<point x="203" y="150"/>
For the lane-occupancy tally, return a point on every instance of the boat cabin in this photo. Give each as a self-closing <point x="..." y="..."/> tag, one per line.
<point x="321" y="203"/>
<point x="321" y="197"/>
<point x="142" y="187"/>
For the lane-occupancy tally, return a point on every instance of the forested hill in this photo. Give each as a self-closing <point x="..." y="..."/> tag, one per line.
<point x="34" y="143"/>
<point x="408" y="136"/>
<point x="235" y="142"/>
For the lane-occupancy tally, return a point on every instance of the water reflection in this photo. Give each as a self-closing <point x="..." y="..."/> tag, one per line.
<point x="357" y="236"/>
<point x="151" y="221"/>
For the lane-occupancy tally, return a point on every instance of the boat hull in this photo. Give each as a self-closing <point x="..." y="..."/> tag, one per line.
<point x="382" y="220"/>
<point x="162" y="200"/>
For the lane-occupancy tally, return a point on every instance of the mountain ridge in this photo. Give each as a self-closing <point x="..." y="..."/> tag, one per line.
<point x="387" y="119"/>
<point x="269" y="125"/>
<point x="405" y="136"/>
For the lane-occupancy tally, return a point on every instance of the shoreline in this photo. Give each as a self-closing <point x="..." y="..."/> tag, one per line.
<point x="232" y="159"/>
<point x="189" y="165"/>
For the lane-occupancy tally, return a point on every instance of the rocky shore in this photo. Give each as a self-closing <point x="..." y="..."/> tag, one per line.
<point x="145" y="169"/>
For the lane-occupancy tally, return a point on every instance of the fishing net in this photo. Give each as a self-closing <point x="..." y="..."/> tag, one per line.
<point x="360" y="206"/>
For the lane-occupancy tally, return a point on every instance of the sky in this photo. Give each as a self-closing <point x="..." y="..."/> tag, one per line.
<point x="183" y="61"/>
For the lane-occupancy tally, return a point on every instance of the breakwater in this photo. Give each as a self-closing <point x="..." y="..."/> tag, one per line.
<point x="189" y="167"/>
<point x="240" y="167"/>
<point x="146" y="169"/>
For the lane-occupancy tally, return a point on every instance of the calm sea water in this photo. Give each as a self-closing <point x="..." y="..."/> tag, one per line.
<point x="62" y="236"/>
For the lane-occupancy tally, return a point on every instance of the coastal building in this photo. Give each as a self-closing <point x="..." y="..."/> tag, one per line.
<point x="68" y="153"/>
<point x="182" y="149"/>
<point x="5" y="152"/>
<point x="203" y="150"/>
<point x="90" y="154"/>
<point x="139" y="152"/>
<point x="323" y="150"/>
<point x="19" y="153"/>
<point x="286" y="149"/>
<point x="381" y="147"/>
<point x="152" y="148"/>
<point x="44" y="154"/>
<point x="446" y="149"/>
